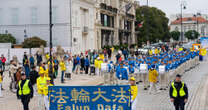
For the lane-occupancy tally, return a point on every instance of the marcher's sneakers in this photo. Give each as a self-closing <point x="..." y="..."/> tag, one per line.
<point x="161" y="88"/>
<point x="140" y="81"/>
<point x="145" y="88"/>
<point x="137" y="82"/>
<point x="164" y="89"/>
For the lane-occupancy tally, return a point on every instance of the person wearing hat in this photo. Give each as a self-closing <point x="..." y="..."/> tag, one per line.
<point x="46" y="99"/>
<point x="41" y="83"/>
<point x="153" y="74"/>
<point x="24" y="91"/>
<point x="134" y="92"/>
<point x="178" y="93"/>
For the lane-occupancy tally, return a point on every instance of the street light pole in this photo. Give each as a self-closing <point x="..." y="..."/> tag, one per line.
<point x="50" y="40"/>
<point x="182" y="7"/>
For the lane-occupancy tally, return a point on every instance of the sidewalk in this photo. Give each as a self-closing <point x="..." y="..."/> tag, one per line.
<point x="10" y="102"/>
<point x="195" y="80"/>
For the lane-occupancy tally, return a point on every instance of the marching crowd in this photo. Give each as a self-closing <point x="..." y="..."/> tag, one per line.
<point x="159" y="66"/>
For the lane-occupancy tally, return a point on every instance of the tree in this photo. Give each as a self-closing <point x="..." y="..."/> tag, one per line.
<point x="192" y="34"/>
<point x="175" y="35"/>
<point x="33" y="42"/>
<point x="155" y="25"/>
<point x="7" y="38"/>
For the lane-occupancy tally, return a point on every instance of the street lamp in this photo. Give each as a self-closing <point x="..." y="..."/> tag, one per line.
<point x="197" y="22"/>
<point x="183" y="7"/>
<point x="50" y="41"/>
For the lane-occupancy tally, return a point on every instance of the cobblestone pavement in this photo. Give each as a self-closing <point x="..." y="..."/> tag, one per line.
<point x="196" y="80"/>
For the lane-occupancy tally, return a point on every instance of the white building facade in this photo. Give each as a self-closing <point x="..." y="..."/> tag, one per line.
<point x="83" y="20"/>
<point x="28" y="18"/>
<point x="200" y="24"/>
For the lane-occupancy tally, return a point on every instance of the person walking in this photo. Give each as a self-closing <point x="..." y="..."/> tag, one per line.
<point x="33" y="78"/>
<point x="46" y="99"/>
<point x="41" y="83"/>
<point x="63" y="69"/>
<point x="12" y="74"/>
<point x="87" y="65"/>
<point x="153" y="74"/>
<point x="3" y="60"/>
<point x="1" y="80"/>
<point x="25" y="91"/>
<point x="134" y="93"/>
<point x="178" y="93"/>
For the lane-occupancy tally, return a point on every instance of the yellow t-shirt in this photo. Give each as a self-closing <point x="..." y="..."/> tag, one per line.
<point x="134" y="92"/>
<point x="1" y="79"/>
<point x="63" y="66"/>
<point x="41" y="83"/>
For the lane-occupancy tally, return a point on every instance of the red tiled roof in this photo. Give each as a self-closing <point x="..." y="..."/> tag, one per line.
<point x="200" y="20"/>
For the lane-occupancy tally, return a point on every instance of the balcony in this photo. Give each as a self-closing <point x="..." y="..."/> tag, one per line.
<point x="85" y="30"/>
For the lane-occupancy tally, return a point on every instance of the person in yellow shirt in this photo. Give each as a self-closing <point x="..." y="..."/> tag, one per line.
<point x="100" y="61"/>
<point x="41" y="84"/>
<point x="150" y="52"/>
<point x="96" y="63"/>
<point x="63" y="69"/>
<point x="47" y="56"/>
<point x="153" y="74"/>
<point x="46" y="99"/>
<point x="1" y="79"/>
<point x="134" y="92"/>
<point x="43" y="70"/>
<point x="101" y="56"/>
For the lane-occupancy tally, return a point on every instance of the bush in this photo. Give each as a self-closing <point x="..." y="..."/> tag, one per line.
<point x="33" y="42"/>
<point x="7" y="38"/>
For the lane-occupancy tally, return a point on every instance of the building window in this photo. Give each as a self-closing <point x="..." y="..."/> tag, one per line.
<point x="34" y="15"/>
<point x="14" y="16"/>
<point x="54" y="15"/>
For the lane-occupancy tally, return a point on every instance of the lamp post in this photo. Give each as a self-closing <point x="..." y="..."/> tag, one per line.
<point x="183" y="7"/>
<point x="50" y="41"/>
<point x="197" y="22"/>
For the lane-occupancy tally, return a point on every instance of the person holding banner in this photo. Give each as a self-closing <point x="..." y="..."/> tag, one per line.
<point x="134" y="93"/>
<point x="46" y="99"/>
<point x="41" y="83"/>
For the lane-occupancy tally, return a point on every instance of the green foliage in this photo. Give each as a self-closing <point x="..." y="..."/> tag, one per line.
<point x="7" y="38"/>
<point x="175" y="35"/>
<point x="33" y="42"/>
<point x="192" y="34"/>
<point x="155" y="25"/>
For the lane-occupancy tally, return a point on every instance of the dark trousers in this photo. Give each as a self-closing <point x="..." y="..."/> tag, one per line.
<point x="62" y="76"/>
<point x="86" y="69"/>
<point x="25" y="101"/>
<point x="179" y="104"/>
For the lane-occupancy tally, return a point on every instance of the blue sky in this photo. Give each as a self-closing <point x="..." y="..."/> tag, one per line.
<point x="173" y="6"/>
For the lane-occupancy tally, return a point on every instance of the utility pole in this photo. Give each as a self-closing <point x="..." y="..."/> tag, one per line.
<point x="182" y="8"/>
<point x="50" y="41"/>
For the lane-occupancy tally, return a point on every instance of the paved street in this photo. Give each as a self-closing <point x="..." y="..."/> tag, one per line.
<point x="10" y="102"/>
<point x="196" y="80"/>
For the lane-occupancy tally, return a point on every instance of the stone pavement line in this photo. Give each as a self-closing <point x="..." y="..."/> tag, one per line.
<point x="161" y="101"/>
